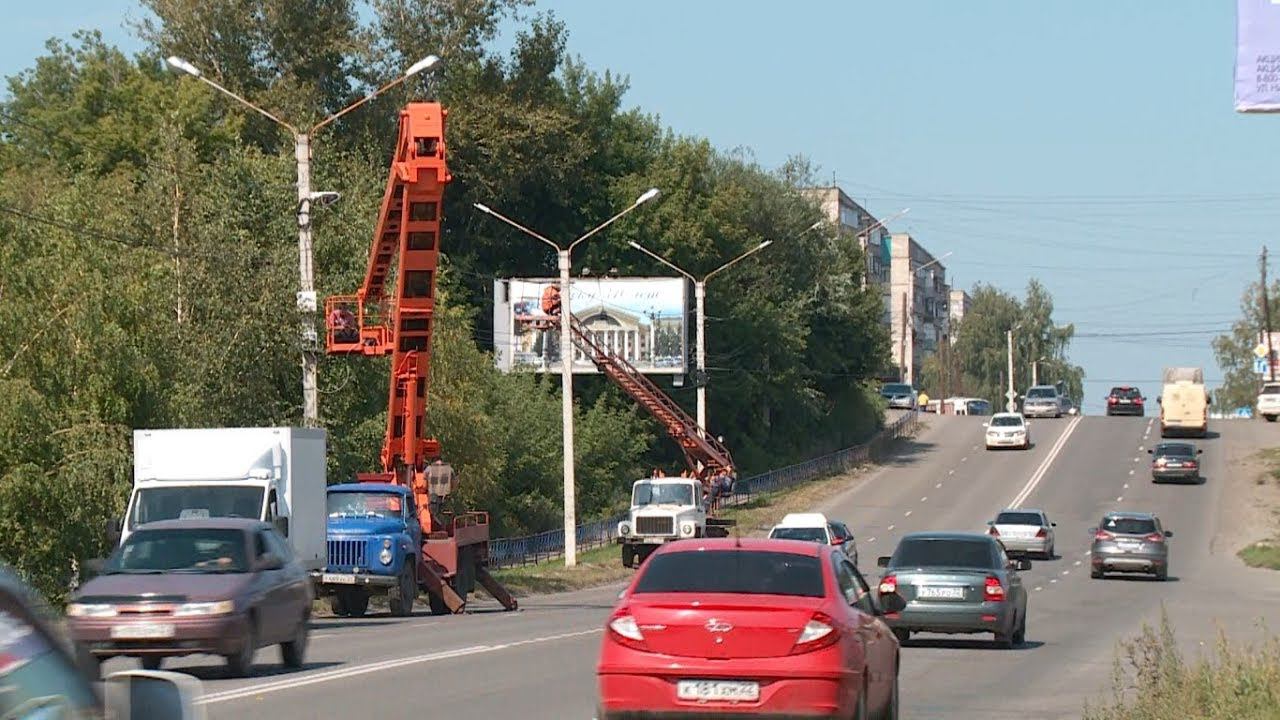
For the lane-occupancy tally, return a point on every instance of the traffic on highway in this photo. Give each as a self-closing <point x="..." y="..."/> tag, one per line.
<point x="559" y="410"/>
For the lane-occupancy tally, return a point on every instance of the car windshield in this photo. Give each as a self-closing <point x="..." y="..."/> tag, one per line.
<point x="942" y="552"/>
<point x="1006" y="421"/>
<point x="1044" y="392"/>
<point x="1270" y="390"/>
<point x="1178" y="450"/>
<point x="896" y="389"/>
<point x="1125" y="393"/>
<point x="365" y="504"/>
<point x="187" y="550"/>
<point x="748" y="572"/>
<point x="1018" y="518"/>
<point x="196" y="501"/>
<point x="663" y="494"/>
<point x="1129" y="526"/>
<point x="794" y="533"/>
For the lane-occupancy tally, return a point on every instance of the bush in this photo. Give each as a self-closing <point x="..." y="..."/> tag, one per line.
<point x="1153" y="681"/>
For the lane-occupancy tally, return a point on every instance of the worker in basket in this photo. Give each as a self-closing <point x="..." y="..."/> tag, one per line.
<point x="546" y="346"/>
<point x="343" y="324"/>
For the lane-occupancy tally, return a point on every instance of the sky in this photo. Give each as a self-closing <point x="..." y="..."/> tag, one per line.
<point x="1090" y="144"/>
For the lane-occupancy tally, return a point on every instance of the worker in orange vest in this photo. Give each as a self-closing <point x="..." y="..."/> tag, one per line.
<point x="551" y="300"/>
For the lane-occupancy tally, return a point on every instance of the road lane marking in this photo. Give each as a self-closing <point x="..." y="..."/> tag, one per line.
<point x="891" y="528"/>
<point x="906" y="514"/>
<point x="1130" y="472"/>
<point x="926" y="497"/>
<point x="1120" y="499"/>
<point x="951" y="472"/>
<point x="964" y="459"/>
<point x="1066" y="572"/>
<point x="1039" y="587"/>
<point x="1043" y="470"/>
<point x="357" y="670"/>
<point x="871" y="539"/>
<point x="1053" y="580"/>
<point x="1136" y="459"/>
<point x="1077" y="563"/>
<point x="1126" y="486"/>
<point x="937" y="486"/>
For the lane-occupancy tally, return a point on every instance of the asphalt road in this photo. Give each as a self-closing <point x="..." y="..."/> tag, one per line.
<point x="539" y="662"/>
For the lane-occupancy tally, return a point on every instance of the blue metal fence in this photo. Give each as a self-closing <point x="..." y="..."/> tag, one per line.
<point x="533" y="549"/>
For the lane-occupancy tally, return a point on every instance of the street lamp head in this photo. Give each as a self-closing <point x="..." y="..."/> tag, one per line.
<point x="648" y="195"/>
<point x="425" y="63"/>
<point x="482" y="208"/>
<point x="764" y="244"/>
<point x="814" y="226"/>
<point x="324" y="198"/>
<point x="635" y="245"/>
<point x="179" y="64"/>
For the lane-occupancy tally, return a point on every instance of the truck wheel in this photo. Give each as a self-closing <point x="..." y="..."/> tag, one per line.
<point x="628" y="556"/>
<point x="357" y="603"/>
<point x="338" y="604"/>
<point x="1270" y="418"/>
<point x="151" y="662"/>
<point x="401" y="600"/>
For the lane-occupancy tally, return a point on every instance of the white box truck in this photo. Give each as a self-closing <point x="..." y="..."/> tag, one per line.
<point x="274" y="474"/>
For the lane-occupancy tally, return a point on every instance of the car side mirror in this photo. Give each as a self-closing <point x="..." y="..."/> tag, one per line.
<point x="271" y="561"/>
<point x="893" y="603"/>
<point x="991" y="522"/>
<point x="1053" y="524"/>
<point x="282" y="526"/>
<point x="837" y="541"/>
<point x="144" y="694"/>
<point x="114" y="529"/>
<point x="1168" y="533"/>
<point x="1151" y="451"/>
<point x="882" y="561"/>
<point x="1199" y="452"/>
<point x="1020" y="564"/>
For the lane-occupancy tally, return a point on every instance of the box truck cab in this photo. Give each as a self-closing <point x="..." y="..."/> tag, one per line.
<point x="1184" y="403"/>
<point x="271" y="474"/>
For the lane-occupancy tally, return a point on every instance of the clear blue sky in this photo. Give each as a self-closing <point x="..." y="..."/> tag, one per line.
<point x="1091" y="144"/>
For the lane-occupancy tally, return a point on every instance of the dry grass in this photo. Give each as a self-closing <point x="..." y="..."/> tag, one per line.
<point x="1154" y="681"/>
<point x="1264" y="554"/>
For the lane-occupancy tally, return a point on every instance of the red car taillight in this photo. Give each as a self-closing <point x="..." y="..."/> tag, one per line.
<point x="888" y="585"/>
<point x="1154" y="537"/>
<point x="1043" y="533"/>
<point x="993" y="531"/>
<point x="1112" y="400"/>
<point x="818" y="633"/>
<point x="993" y="591"/>
<point x="1103" y="535"/>
<point x="625" y="631"/>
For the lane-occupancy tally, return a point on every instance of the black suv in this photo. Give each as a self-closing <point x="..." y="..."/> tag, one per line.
<point x="1126" y="401"/>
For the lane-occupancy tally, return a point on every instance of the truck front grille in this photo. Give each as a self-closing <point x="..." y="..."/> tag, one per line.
<point x="655" y="526"/>
<point x="347" y="553"/>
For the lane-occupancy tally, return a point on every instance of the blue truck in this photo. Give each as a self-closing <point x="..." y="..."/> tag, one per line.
<point x="374" y="546"/>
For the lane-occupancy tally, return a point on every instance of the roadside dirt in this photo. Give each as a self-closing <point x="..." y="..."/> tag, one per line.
<point x="1249" y="507"/>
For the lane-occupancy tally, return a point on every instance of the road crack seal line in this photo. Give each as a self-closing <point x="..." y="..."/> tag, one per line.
<point x="289" y="684"/>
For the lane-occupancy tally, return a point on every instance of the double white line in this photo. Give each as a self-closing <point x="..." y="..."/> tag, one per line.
<point x="1043" y="470"/>
<point x="356" y="670"/>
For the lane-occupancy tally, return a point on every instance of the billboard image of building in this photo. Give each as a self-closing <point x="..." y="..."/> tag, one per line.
<point x="643" y="320"/>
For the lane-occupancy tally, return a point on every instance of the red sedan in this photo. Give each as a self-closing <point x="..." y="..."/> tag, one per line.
<point x="726" y="628"/>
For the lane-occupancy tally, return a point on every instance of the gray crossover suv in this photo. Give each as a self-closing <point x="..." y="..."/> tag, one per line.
<point x="1130" y="542"/>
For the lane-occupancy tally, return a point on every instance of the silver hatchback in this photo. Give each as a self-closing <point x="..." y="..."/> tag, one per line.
<point x="1130" y="542"/>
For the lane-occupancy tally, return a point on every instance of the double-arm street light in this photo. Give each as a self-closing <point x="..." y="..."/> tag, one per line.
<point x="566" y="358"/>
<point x="306" y="299"/>
<point x="700" y="295"/>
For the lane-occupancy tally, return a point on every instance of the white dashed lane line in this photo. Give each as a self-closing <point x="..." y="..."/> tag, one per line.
<point x="906" y="514"/>
<point x="1120" y="499"/>
<point x="937" y="486"/>
<point x="891" y="528"/>
<point x="926" y="497"/>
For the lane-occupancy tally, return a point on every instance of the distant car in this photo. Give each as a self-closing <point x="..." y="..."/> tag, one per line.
<point x="1269" y="401"/>
<point x="978" y="407"/>
<point x="900" y="396"/>
<point x="1043" y="401"/>
<point x="1126" y="400"/>
<point x="1007" y="430"/>
<point x="222" y="586"/>
<point x="815" y="527"/>
<point x="1130" y="542"/>
<point x="1024" y="532"/>
<point x="956" y="583"/>
<point x="1175" y="461"/>
<point x="728" y="628"/>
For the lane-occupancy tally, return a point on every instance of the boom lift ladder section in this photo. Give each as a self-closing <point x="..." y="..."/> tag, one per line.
<point x="373" y="323"/>
<point x="698" y="447"/>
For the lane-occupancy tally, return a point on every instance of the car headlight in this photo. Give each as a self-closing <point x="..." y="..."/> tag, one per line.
<point x="223" y="607"/>
<point x="686" y="529"/>
<point x="91" y="610"/>
<point x="624" y="529"/>
<point x="385" y="556"/>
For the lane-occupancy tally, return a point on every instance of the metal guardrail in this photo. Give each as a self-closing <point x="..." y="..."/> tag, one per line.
<point x="536" y="548"/>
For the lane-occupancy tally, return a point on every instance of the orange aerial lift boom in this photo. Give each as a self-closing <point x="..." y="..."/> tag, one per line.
<point x="393" y="314"/>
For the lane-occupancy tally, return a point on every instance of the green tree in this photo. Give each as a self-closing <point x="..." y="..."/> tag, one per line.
<point x="1234" y="350"/>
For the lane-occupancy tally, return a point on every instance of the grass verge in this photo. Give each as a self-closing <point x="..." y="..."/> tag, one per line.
<point x="1264" y="554"/>
<point x="1154" y="681"/>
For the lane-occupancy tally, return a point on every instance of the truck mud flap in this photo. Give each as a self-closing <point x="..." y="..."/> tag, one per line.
<point x="438" y="587"/>
<point x="494" y="588"/>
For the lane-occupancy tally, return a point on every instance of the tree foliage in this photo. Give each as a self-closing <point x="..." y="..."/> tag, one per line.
<point x="1234" y="350"/>
<point x="979" y="359"/>
<point x="148" y="264"/>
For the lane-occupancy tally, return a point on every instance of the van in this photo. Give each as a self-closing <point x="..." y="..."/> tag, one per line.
<point x="1184" y="403"/>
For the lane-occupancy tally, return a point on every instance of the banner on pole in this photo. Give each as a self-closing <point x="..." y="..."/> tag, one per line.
<point x="1257" y="71"/>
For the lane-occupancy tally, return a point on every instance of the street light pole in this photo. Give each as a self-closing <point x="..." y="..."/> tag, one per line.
<point x="699" y="309"/>
<point x="1010" y="406"/>
<point x="563" y="260"/>
<point x="307" y="303"/>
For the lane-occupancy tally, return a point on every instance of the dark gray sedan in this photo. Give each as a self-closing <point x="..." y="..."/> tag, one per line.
<point x="1130" y="542"/>
<point x="1175" y="461"/>
<point x="956" y="583"/>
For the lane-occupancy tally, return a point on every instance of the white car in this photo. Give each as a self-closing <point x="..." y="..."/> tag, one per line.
<point x="1269" y="401"/>
<point x="1008" y="430"/>
<point x="815" y="527"/>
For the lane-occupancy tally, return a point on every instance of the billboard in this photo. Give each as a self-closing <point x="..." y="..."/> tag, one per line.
<point x="644" y="320"/>
<point x="1257" y="72"/>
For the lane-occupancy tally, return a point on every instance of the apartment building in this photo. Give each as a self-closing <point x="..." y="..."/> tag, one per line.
<point x="956" y="310"/>
<point x="853" y="219"/>
<point x="919" y="301"/>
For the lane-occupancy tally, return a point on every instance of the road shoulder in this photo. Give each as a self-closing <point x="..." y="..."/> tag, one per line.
<point x="1249" y="509"/>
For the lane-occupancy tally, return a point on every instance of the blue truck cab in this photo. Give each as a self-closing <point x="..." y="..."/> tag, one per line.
<point x="374" y="544"/>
